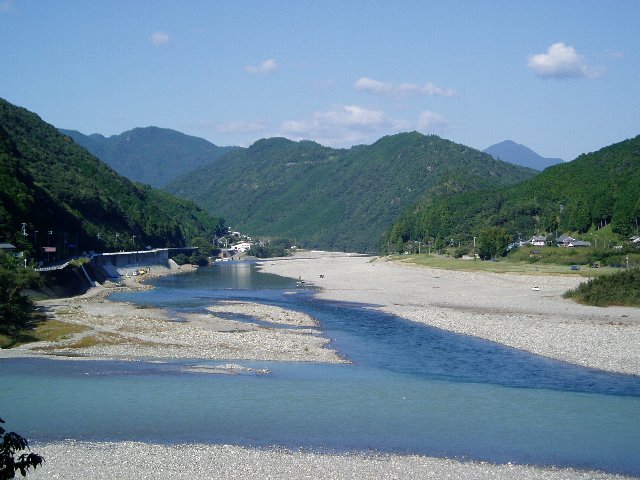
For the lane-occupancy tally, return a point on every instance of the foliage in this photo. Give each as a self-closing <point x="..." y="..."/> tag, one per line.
<point x="338" y="199"/>
<point x="576" y="256"/>
<point x="180" y="259"/>
<point x="70" y="200"/>
<point x="15" y="309"/>
<point x="492" y="242"/>
<point x="273" y="248"/>
<point x="12" y="443"/>
<point x="150" y="155"/>
<point x="622" y="288"/>
<point x="200" y="256"/>
<point x="593" y="191"/>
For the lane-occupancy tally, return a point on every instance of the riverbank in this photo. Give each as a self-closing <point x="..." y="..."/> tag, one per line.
<point x="118" y="330"/>
<point x="438" y="296"/>
<point x="106" y="461"/>
<point x="503" y="308"/>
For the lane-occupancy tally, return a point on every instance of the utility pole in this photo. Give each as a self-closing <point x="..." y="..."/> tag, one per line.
<point x="49" y="233"/>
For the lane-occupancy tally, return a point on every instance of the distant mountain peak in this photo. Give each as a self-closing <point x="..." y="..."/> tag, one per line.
<point x="151" y="155"/>
<point x="518" y="154"/>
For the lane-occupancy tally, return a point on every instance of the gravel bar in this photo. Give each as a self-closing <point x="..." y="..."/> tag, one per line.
<point x="144" y="461"/>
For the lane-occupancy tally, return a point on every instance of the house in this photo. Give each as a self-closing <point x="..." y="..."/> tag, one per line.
<point x="578" y="243"/>
<point x="241" y="247"/>
<point x="567" y="241"/>
<point x="564" y="240"/>
<point x="539" y="240"/>
<point x="7" y="248"/>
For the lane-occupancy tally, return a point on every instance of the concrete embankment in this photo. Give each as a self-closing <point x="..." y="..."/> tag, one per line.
<point x="71" y="279"/>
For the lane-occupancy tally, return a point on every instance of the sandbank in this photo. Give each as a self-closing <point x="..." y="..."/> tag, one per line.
<point x="499" y="307"/>
<point x="119" y="330"/>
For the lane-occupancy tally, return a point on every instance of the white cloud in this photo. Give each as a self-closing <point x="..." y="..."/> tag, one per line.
<point x="343" y="125"/>
<point x="160" y="38"/>
<point x="265" y="68"/>
<point x="377" y="87"/>
<point x="562" y="61"/>
<point x="431" y="122"/>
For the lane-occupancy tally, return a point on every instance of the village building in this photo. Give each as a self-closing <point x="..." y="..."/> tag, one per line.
<point x="241" y="247"/>
<point x="538" y="240"/>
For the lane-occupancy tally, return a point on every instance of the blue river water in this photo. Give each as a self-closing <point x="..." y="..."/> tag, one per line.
<point x="410" y="389"/>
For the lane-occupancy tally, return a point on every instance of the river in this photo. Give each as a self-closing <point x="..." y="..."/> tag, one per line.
<point x="409" y="389"/>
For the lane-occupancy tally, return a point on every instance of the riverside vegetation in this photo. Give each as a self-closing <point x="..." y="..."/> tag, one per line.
<point x="621" y="288"/>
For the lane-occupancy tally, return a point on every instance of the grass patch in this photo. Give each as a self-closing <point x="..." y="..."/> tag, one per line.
<point x="55" y="330"/>
<point x="536" y="260"/>
<point x="42" y="330"/>
<point x="109" y="338"/>
<point x="504" y="265"/>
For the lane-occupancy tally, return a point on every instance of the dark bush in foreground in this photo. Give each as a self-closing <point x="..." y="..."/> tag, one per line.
<point x="622" y="288"/>
<point x="10" y="460"/>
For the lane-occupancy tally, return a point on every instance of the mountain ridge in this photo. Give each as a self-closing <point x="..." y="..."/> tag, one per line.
<point x="340" y="199"/>
<point x="150" y="155"/>
<point x="518" y="154"/>
<point x="597" y="188"/>
<point x="50" y="184"/>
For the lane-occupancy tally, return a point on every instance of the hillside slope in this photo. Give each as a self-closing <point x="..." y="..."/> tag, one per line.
<point x="509" y="151"/>
<point x="53" y="185"/>
<point x="338" y="199"/>
<point x="151" y="155"/>
<point x="597" y="188"/>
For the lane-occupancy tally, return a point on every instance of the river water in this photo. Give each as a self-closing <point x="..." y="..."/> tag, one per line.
<point x="410" y="389"/>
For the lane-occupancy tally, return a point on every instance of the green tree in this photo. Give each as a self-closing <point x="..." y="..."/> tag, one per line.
<point x="12" y="443"/>
<point x="200" y="256"/>
<point x="15" y="309"/>
<point x="492" y="242"/>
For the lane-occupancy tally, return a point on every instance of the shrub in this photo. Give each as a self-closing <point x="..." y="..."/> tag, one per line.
<point x="621" y="288"/>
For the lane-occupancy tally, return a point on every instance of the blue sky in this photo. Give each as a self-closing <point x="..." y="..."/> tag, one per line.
<point x="562" y="77"/>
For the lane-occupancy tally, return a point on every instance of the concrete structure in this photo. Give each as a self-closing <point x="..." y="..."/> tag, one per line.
<point x="115" y="262"/>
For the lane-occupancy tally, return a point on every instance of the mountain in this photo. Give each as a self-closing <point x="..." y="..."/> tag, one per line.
<point x="337" y="199"/>
<point x="597" y="188"/>
<point x="150" y="155"/>
<point x="63" y="194"/>
<point x="518" y="154"/>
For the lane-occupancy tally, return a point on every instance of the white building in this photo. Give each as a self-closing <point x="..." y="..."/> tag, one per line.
<point x="241" y="247"/>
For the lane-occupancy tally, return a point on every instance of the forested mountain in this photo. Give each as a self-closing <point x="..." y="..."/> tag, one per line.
<point x="338" y="199"/>
<point x="598" y="188"/>
<point x="69" y="199"/>
<point x="150" y="155"/>
<point x="518" y="154"/>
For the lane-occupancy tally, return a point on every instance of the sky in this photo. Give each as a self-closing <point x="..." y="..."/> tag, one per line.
<point x="561" y="77"/>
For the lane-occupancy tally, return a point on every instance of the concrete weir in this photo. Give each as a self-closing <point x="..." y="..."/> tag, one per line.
<point x="68" y="279"/>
